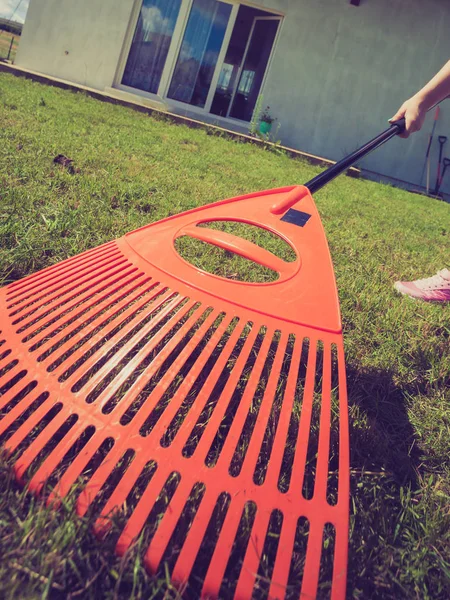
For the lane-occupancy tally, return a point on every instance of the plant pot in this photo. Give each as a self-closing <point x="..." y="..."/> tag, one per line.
<point x="265" y="127"/>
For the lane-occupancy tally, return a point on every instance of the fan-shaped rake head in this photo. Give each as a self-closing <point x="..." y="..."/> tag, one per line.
<point x="211" y="414"/>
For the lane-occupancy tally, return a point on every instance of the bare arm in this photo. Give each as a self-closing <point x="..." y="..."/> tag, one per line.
<point x="415" y="109"/>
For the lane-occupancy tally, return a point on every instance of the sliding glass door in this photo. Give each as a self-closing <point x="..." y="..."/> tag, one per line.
<point x="209" y="54"/>
<point x="200" y="48"/>
<point x="150" y="46"/>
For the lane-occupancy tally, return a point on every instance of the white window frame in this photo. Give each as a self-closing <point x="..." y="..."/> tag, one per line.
<point x="174" y="49"/>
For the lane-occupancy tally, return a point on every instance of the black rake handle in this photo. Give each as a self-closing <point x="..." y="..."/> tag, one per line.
<point x="325" y="177"/>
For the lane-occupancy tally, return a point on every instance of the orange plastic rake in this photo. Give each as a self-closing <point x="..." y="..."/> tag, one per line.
<point x="214" y="411"/>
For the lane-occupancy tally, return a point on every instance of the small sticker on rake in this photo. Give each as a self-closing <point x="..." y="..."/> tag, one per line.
<point x="296" y="217"/>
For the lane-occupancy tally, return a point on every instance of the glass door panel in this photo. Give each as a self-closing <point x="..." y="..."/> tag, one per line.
<point x="199" y="52"/>
<point x="254" y="67"/>
<point x="150" y="45"/>
<point x="234" y="56"/>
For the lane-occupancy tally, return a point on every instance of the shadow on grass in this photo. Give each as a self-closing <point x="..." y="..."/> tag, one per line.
<point x="386" y="463"/>
<point x="381" y="436"/>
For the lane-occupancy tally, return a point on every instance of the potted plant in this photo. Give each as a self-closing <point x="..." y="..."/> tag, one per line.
<point x="266" y="121"/>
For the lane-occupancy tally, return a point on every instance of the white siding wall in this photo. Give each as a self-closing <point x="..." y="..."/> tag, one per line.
<point x="338" y="72"/>
<point x="91" y="31"/>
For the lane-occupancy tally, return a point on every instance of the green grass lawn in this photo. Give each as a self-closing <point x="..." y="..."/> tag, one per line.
<point x="130" y="169"/>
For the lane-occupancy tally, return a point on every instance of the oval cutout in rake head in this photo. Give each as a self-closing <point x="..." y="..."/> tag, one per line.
<point x="214" y="410"/>
<point x="238" y="251"/>
<point x="222" y="263"/>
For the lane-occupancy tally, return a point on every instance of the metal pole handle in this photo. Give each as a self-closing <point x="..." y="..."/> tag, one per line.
<point x="326" y="176"/>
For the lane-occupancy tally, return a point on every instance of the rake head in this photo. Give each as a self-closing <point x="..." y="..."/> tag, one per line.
<point x="210" y="414"/>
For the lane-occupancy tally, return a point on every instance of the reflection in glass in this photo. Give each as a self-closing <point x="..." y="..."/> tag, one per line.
<point x="225" y="76"/>
<point x="199" y="52"/>
<point x="246" y="82"/>
<point x="150" y="44"/>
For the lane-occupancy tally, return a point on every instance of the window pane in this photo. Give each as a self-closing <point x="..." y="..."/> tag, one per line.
<point x="199" y="52"/>
<point x="151" y="43"/>
<point x="254" y="69"/>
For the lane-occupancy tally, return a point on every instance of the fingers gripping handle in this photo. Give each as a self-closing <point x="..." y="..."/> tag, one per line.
<point x="400" y="125"/>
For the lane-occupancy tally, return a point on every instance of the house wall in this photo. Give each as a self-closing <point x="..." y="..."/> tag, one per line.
<point x="80" y="41"/>
<point x="340" y="71"/>
<point x="337" y="74"/>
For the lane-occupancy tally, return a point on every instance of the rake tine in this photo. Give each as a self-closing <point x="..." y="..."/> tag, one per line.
<point x="96" y="482"/>
<point x="253" y="555"/>
<point x="75" y="469"/>
<point x="194" y="539"/>
<point x="39" y="479"/>
<point x="219" y="560"/>
<point x="166" y="526"/>
<point x="137" y="520"/>
<point x="69" y="266"/>
<point x="282" y="564"/>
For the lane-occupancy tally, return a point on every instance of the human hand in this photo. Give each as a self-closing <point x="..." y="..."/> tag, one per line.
<point x="414" y="112"/>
